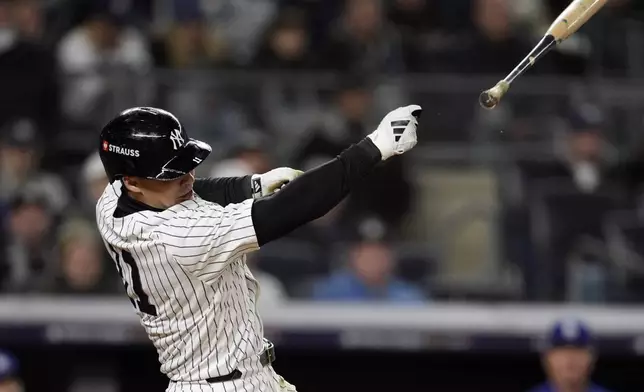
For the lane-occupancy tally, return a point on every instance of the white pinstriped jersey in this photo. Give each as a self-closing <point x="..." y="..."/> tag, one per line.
<point x="184" y="270"/>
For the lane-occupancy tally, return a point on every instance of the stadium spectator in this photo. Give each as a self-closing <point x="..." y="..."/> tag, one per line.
<point x="580" y="160"/>
<point x="422" y="27"/>
<point x="388" y="193"/>
<point x="586" y="140"/>
<point x="494" y="45"/>
<point x="565" y="200"/>
<point x="27" y="243"/>
<point x="81" y="267"/>
<point x="95" y="177"/>
<point x="92" y="184"/>
<point x="238" y="24"/>
<point x="10" y="380"/>
<point x="287" y="105"/>
<point x="569" y="359"/>
<point x="21" y="151"/>
<point x="369" y="274"/>
<point x="102" y="61"/>
<point x="247" y="156"/>
<point x="414" y="16"/>
<point x="212" y="111"/>
<point x="346" y="121"/>
<point x="29" y="19"/>
<point x="363" y="41"/>
<point x="188" y="44"/>
<point x="28" y="76"/>
<point x="286" y="45"/>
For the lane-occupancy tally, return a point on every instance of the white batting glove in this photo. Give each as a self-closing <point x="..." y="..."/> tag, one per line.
<point x="270" y="182"/>
<point x="396" y="133"/>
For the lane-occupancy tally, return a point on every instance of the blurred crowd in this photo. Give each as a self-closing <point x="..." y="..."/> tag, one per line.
<point x="283" y="82"/>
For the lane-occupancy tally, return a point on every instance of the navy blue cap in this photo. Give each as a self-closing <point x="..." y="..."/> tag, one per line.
<point x="585" y="117"/>
<point x="569" y="333"/>
<point x="9" y="365"/>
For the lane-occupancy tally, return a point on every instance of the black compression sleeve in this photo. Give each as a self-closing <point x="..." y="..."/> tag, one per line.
<point x="224" y="190"/>
<point x="314" y="193"/>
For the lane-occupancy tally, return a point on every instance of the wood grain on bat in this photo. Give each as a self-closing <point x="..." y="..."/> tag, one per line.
<point x="573" y="17"/>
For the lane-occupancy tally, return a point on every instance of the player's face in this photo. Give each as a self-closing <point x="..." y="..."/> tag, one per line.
<point x="569" y="366"/>
<point x="164" y="194"/>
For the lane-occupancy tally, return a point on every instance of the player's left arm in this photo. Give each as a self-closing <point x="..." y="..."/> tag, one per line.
<point x="232" y="190"/>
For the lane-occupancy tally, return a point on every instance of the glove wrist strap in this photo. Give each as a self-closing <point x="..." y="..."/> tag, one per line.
<point x="256" y="186"/>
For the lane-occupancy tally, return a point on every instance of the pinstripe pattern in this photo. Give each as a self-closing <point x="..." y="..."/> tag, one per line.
<point x="266" y="381"/>
<point x="191" y="262"/>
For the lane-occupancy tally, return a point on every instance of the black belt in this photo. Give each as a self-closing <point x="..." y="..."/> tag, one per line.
<point x="266" y="357"/>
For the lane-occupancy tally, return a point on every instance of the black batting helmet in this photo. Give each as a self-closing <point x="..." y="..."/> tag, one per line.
<point x="150" y="143"/>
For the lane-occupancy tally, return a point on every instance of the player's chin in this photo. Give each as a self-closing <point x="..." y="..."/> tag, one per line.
<point x="186" y="196"/>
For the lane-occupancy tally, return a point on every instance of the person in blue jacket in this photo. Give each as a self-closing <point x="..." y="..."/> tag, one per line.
<point x="569" y="358"/>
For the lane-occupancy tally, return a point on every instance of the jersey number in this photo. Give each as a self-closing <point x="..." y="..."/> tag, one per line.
<point x="142" y="302"/>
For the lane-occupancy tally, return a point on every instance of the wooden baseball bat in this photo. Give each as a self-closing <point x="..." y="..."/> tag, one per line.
<point x="566" y="24"/>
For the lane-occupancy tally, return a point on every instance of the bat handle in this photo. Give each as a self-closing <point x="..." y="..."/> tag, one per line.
<point x="490" y="98"/>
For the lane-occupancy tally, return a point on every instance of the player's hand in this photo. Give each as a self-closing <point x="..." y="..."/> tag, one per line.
<point x="396" y="133"/>
<point x="270" y="182"/>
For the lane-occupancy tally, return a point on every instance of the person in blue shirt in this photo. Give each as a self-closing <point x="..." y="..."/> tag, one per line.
<point x="9" y="378"/>
<point x="369" y="274"/>
<point x="568" y="359"/>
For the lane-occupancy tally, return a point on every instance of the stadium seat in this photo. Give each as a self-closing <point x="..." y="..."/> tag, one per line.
<point x="624" y="231"/>
<point x="458" y="216"/>
<point x="290" y="261"/>
<point x="560" y="217"/>
<point x="416" y="262"/>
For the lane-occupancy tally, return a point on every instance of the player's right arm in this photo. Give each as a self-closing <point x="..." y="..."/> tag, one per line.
<point x="224" y="190"/>
<point x="231" y="190"/>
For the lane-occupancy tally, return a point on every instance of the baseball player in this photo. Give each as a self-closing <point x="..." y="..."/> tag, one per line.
<point x="569" y="358"/>
<point x="179" y="243"/>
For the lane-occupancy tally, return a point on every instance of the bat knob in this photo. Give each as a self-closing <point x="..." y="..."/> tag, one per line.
<point x="488" y="101"/>
<point x="490" y="98"/>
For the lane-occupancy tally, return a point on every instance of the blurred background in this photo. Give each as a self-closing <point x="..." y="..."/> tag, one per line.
<point x="444" y="271"/>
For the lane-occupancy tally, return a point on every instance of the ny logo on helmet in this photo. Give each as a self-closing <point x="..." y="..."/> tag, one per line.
<point x="177" y="139"/>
